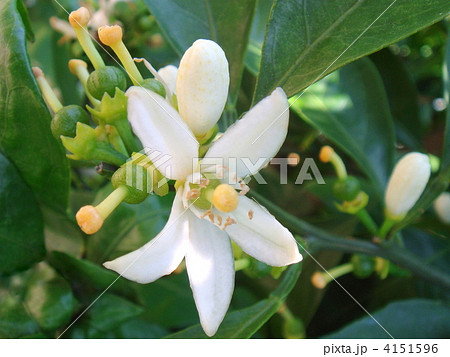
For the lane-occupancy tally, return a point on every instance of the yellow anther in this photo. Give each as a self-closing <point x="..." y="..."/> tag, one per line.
<point x="37" y="72"/>
<point x="110" y="35"/>
<point x="89" y="219"/>
<point x="319" y="280"/>
<point x="225" y="198"/>
<point x="79" y="18"/>
<point x="326" y="153"/>
<point x="250" y="215"/>
<point x="74" y="64"/>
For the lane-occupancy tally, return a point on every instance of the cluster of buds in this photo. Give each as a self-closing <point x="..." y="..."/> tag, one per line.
<point x="104" y="138"/>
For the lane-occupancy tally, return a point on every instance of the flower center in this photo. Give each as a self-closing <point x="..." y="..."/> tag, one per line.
<point x="225" y="198"/>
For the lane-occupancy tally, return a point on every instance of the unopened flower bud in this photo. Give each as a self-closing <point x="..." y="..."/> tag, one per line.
<point x="406" y="184"/>
<point x="442" y="207"/>
<point x="202" y="85"/>
<point x="169" y="75"/>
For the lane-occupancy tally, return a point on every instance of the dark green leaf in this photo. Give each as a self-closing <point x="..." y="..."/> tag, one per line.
<point x="403" y="98"/>
<point x="305" y="40"/>
<point x="445" y="164"/>
<point x="415" y="318"/>
<point x="21" y="228"/>
<point x="350" y="107"/>
<point x="15" y="321"/>
<point x="225" y="22"/>
<point x="244" y="323"/>
<point x="25" y="136"/>
<point x="49" y="299"/>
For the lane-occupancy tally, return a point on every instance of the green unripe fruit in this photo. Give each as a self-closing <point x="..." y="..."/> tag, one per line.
<point x="65" y="121"/>
<point x="106" y="80"/>
<point x="347" y="189"/>
<point x="363" y="265"/>
<point x="154" y="86"/>
<point x="136" y="184"/>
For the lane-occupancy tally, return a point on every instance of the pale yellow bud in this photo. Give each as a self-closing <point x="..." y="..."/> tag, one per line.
<point x="202" y="85"/>
<point x="406" y="184"/>
<point x="74" y="64"/>
<point x="442" y="207"/>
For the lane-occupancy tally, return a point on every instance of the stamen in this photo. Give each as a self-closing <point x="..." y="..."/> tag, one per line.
<point x="205" y="214"/>
<point x="79" y="69"/>
<point x="244" y="188"/>
<point x="228" y="222"/>
<point x="193" y="194"/>
<point x="250" y="215"/>
<point x="219" y="220"/>
<point x="211" y="217"/>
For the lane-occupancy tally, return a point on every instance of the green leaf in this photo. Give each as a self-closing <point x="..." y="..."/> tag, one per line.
<point x="25" y="136"/>
<point x="15" y="321"/>
<point x="445" y="162"/>
<point x="415" y="318"/>
<point x="350" y="107"/>
<point x="306" y="40"/>
<point x="49" y="299"/>
<point x="244" y="323"/>
<point x="21" y="227"/>
<point x="214" y="20"/>
<point x="403" y="98"/>
<point x="87" y="278"/>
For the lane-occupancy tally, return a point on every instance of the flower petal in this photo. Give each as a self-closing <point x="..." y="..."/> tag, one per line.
<point x="260" y="235"/>
<point x="165" y="136"/>
<point x="169" y="75"/>
<point x="257" y="137"/>
<point x="162" y="255"/>
<point x="210" y="266"/>
<point x="202" y="85"/>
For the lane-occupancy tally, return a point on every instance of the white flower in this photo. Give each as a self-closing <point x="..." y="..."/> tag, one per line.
<point x="442" y="207"/>
<point x="406" y="184"/>
<point x="200" y="234"/>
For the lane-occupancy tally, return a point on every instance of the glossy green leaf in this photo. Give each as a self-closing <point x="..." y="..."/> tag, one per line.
<point x="445" y="163"/>
<point x="306" y="40"/>
<point x="49" y="299"/>
<point x="244" y="323"/>
<point x="403" y="98"/>
<point x="415" y="318"/>
<point x="39" y="158"/>
<point x="15" y="321"/>
<point x="21" y="227"/>
<point x="350" y="107"/>
<point x="210" y="19"/>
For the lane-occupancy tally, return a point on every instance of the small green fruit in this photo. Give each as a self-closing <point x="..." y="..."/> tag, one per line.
<point x="363" y="265"/>
<point x="65" y="121"/>
<point x="106" y="80"/>
<point x="136" y="184"/>
<point x="347" y="189"/>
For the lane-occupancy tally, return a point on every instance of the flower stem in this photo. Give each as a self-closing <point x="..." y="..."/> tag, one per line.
<point x="110" y="203"/>
<point x="367" y="220"/>
<point x="386" y="227"/>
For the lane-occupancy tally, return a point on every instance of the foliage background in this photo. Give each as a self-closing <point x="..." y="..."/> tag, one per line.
<point x="384" y="96"/>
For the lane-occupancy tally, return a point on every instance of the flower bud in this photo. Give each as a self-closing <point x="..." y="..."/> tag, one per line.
<point x="65" y="121"/>
<point x="442" y="207"/>
<point x="106" y="80"/>
<point x="363" y="265"/>
<point x="406" y="184"/>
<point x="202" y="85"/>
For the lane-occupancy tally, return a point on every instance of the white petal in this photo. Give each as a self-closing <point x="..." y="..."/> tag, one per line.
<point x="165" y="136"/>
<point x="262" y="236"/>
<point x="210" y="266"/>
<point x="169" y="75"/>
<point x="406" y="184"/>
<point x="162" y="255"/>
<point x="202" y="85"/>
<point x="442" y="207"/>
<point x="257" y="137"/>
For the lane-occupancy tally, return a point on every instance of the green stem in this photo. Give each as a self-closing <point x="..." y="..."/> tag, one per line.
<point x="386" y="227"/>
<point x="123" y="127"/>
<point x="105" y="152"/>
<point x="320" y="239"/>
<point x="367" y="220"/>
